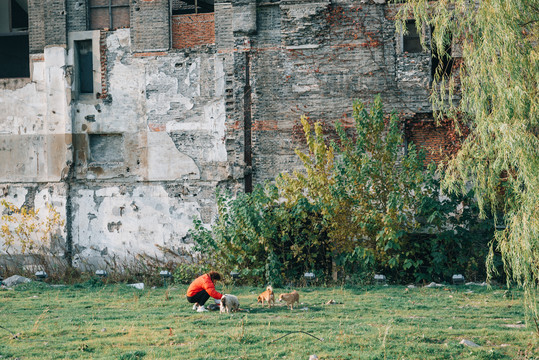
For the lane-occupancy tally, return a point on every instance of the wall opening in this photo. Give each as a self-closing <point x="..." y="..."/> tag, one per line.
<point x="85" y="71"/>
<point x="441" y="66"/>
<point x="411" y="41"/>
<point x="108" y="14"/>
<point x="14" y="43"/>
<point x="182" y="7"/>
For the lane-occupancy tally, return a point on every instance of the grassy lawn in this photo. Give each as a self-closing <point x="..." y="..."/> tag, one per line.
<point x="374" y="322"/>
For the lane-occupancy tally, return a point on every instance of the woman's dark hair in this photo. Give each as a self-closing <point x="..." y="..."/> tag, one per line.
<point x="214" y="275"/>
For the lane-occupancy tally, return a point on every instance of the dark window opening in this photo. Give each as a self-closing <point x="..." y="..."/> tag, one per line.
<point x="441" y="65"/>
<point x="411" y="41"/>
<point x="85" y="64"/>
<point x="108" y="14"/>
<point x="181" y="7"/>
<point x="14" y="43"/>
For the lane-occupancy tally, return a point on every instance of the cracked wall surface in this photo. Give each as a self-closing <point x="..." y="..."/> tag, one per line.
<point x="131" y="165"/>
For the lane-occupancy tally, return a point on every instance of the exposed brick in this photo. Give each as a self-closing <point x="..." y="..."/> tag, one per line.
<point x="192" y="30"/>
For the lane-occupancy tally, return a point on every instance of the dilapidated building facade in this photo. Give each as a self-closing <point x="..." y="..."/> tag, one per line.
<point x="126" y="115"/>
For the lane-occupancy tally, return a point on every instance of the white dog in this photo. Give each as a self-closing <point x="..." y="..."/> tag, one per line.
<point x="229" y="303"/>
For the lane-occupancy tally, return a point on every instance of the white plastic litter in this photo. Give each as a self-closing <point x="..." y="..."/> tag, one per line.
<point x="139" y="286"/>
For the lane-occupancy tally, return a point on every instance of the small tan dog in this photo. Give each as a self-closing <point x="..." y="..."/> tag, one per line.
<point x="267" y="296"/>
<point x="290" y="298"/>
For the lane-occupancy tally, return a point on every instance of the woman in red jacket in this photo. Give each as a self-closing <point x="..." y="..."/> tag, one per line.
<point x="202" y="288"/>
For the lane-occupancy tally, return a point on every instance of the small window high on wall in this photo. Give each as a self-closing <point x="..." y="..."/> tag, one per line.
<point x="181" y="7"/>
<point x="14" y="45"/>
<point x="108" y="14"/>
<point x="411" y="41"/>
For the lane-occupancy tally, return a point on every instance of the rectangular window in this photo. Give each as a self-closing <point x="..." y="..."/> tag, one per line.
<point x="108" y="14"/>
<point x="411" y="41"/>
<point x="181" y="7"/>
<point x="85" y="66"/>
<point x="15" y="54"/>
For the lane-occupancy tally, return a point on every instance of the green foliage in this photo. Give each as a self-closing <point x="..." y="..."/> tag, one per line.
<point x="376" y="184"/>
<point x="498" y="90"/>
<point x="453" y="238"/>
<point x="361" y="205"/>
<point x="265" y="239"/>
<point x="185" y="273"/>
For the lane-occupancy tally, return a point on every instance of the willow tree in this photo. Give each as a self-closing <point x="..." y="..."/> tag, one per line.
<point x="497" y="86"/>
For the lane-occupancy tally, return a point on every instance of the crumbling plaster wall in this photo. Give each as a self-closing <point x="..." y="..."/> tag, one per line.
<point x="170" y="126"/>
<point x="168" y="108"/>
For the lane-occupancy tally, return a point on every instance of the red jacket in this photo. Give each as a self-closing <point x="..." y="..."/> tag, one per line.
<point x="203" y="283"/>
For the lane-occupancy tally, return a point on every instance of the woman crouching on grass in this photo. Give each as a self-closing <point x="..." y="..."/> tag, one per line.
<point x="201" y="289"/>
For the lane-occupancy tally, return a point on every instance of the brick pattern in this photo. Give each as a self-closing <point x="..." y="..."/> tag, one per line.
<point x="77" y="15"/>
<point x="36" y="26"/>
<point x="55" y="22"/>
<point x="150" y="25"/>
<point x="437" y="141"/>
<point x="103" y="59"/>
<point x="192" y="30"/>
<point x="316" y="58"/>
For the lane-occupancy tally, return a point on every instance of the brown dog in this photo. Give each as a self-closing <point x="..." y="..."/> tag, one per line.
<point x="267" y="296"/>
<point x="290" y="298"/>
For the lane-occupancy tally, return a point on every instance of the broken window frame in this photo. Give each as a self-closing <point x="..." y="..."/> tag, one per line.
<point x="21" y="33"/>
<point x="411" y="35"/>
<point x="109" y="6"/>
<point x="73" y="38"/>
<point x="200" y="7"/>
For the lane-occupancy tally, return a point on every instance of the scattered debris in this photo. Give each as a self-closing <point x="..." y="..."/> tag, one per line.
<point x="104" y="329"/>
<point x="313" y="357"/>
<point x="15" y="280"/>
<point x="515" y="326"/>
<point x="476" y="284"/>
<point x="468" y="343"/>
<point x="139" y="286"/>
<point x="411" y="286"/>
<point x="305" y="309"/>
<point x="295" y="332"/>
<point x="433" y="284"/>
<point x="330" y="302"/>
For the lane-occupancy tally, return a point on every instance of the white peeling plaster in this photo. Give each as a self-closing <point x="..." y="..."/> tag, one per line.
<point x="126" y="225"/>
<point x="165" y="162"/>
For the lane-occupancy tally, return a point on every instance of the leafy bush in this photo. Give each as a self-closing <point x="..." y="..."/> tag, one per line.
<point x="264" y="239"/>
<point x="360" y="205"/>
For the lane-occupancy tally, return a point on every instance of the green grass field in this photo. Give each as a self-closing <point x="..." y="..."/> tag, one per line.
<point x="374" y="322"/>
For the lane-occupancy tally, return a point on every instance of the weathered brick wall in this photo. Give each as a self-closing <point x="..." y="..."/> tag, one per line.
<point x="55" y="22"/>
<point x="192" y="30"/>
<point x="36" y="26"/>
<point x="316" y="58"/>
<point x="77" y="13"/>
<point x="150" y="25"/>
<point x="438" y="139"/>
<point x="47" y="22"/>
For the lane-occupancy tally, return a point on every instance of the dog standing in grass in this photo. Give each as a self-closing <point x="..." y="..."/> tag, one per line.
<point x="229" y="303"/>
<point x="290" y="298"/>
<point x="267" y="296"/>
